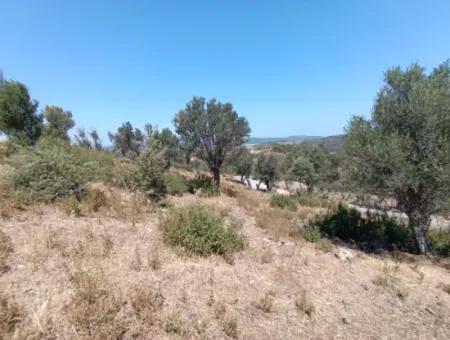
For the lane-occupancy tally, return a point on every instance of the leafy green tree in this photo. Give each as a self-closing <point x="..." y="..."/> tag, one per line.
<point x="267" y="170"/>
<point x="59" y="122"/>
<point x="213" y="130"/>
<point x="168" y="141"/>
<point x="18" y="118"/>
<point x="404" y="149"/>
<point x="242" y="162"/>
<point x="128" y="141"/>
<point x="303" y="171"/>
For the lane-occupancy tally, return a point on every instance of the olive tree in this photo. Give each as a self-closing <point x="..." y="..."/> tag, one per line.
<point x="212" y="129"/>
<point x="18" y="118"/>
<point x="242" y="161"/>
<point x="302" y="170"/>
<point x="59" y="122"/>
<point x="404" y="149"/>
<point x="127" y="141"/>
<point x="267" y="170"/>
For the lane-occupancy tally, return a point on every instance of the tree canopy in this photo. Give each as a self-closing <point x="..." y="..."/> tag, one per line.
<point x="127" y="141"/>
<point x="212" y="129"/>
<point x="404" y="149"/>
<point x="59" y="122"/>
<point x="18" y="118"/>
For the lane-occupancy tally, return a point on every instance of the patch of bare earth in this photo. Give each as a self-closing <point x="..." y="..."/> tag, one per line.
<point x="102" y="276"/>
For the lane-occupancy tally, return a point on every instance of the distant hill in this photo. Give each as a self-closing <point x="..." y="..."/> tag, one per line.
<point x="291" y="139"/>
<point x="333" y="143"/>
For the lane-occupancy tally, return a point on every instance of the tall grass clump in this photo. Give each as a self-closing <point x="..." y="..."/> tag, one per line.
<point x="197" y="230"/>
<point x="175" y="183"/>
<point x="54" y="169"/>
<point x="283" y="202"/>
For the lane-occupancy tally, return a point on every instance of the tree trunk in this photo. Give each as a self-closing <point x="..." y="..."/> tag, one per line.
<point x="419" y="224"/>
<point x="216" y="174"/>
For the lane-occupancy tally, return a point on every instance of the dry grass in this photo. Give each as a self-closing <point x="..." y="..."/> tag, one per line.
<point x="10" y="316"/>
<point x="280" y="223"/>
<point x="99" y="277"/>
<point x="147" y="301"/>
<point x="94" y="311"/>
<point x="265" y="303"/>
<point x="304" y="304"/>
<point x="230" y="326"/>
<point x="173" y="323"/>
<point x="324" y="245"/>
<point x="6" y="248"/>
<point x="445" y="288"/>
<point x="390" y="280"/>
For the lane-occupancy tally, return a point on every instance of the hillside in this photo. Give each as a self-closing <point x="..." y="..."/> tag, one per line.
<point x="332" y="143"/>
<point x="107" y="273"/>
<point x="289" y="139"/>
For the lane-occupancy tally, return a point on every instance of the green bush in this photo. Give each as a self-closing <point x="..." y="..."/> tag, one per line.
<point x="175" y="183"/>
<point x="283" y="202"/>
<point x="198" y="230"/>
<point x="147" y="172"/>
<point x="53" y="169"/>
<point x="439" y="240"/>
<point x="312" y="234"/>
<point x="371" y="233"/>
<point x="204" y="183"/>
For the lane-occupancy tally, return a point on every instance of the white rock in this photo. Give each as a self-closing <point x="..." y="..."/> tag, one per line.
<point x="344" y="254"/>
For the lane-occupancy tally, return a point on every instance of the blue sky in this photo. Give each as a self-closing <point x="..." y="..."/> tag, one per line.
<point x="290" y="67"/>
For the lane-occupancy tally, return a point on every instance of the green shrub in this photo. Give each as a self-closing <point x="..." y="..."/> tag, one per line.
<point x="147" y="172"/>
<point x="283" y="202"/>
<point x="312" y="234"/>
<point x="198" y="230"/>
<point x="439" y="240"/>
<point x="204" y="183"/>
<point x="175" y="183"/>
<point x="371" y="233"/>
<point x="53" y="169"/>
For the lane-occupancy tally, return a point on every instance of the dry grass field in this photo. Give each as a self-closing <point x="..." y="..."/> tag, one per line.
<point x="102" y="271"/>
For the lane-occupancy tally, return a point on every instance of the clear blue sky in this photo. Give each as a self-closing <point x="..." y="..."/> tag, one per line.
<point x="290" y="67"/>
